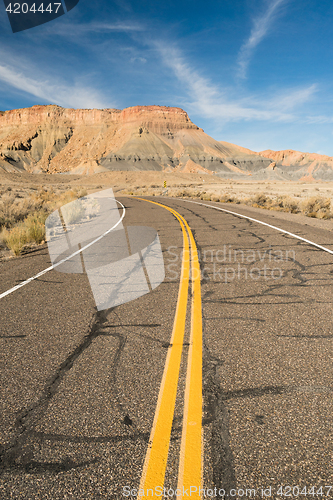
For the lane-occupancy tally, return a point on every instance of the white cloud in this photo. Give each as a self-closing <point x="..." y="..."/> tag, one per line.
<point x="291" y="98"/>
<point x="56" y="92"/>
<point x="69" y="90"/>
<point x="138" y="59"/>
<point x="211" y="101"/>
<point x="260" y="28"/>
<point x="318" y="119"/>
<point x="69" y="29"/>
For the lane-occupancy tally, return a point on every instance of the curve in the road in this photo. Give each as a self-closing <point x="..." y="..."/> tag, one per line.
<point x="190" y="466"/>
<point x="264" y="224"/>
<point x="190" y="463"/>
<point x="38" y="275"/>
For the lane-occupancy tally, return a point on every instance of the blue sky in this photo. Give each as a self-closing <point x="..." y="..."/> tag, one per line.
<point x="257" y="73"/>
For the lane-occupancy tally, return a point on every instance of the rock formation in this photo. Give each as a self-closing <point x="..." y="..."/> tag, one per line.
<point x="82" y="141"/>
<point x="302" y="166"/>
<point x="52" y="139"/>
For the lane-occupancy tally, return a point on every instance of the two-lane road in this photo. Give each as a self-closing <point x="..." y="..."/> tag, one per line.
<point x="83" y="391"/>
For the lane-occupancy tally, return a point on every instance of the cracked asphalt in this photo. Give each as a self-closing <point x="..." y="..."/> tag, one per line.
<point x="79" y="387"/>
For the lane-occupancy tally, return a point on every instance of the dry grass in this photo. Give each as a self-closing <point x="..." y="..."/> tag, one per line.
<point x="23" y="234"/>
<point x="15" y="239"/>
<point x="21" y="198"/>
<point x="22" y="220"/>
<point x="316" y="206"/>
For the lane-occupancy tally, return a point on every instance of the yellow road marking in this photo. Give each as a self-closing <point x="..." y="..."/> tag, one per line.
<point x="190" y="465"/>
<point x="157" y="453"/>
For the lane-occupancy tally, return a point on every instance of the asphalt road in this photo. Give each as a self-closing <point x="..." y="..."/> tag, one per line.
<point x="80" y="387"/>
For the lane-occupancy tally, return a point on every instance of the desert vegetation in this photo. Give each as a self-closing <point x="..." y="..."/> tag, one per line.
<point x="23" y="214"/>
<point x="316" y="206"/>
<point x="25" y="207"/>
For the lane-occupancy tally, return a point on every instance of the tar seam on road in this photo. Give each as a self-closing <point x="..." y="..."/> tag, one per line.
<point x="4" y="294"/>
<point x="190" y="464"/>
<point x="264" y="224"/>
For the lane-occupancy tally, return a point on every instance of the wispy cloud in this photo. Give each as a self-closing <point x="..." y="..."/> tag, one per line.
<point x="56" y="92"/>
<point x="142" y="60"/>
<point x="206" y="99"/>
<point x="36" y="77"/>
<point x="321" y="119"/>
<point x="261" y="25"/>
<point x="290" y="99"/>
<point x="77" y="30"/>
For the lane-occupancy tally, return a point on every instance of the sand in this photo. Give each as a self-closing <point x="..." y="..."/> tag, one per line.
<point x="154" y="182"/>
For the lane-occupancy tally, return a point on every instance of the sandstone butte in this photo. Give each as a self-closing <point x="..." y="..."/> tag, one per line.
<point x="52" y="139"/>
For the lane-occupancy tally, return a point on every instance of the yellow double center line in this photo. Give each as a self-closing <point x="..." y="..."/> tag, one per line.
<point x="190" y="462"/>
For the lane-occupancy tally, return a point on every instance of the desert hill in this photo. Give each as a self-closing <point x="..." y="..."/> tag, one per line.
<point x="51" y="139"/>
<point x="57" y="140"/>
<point x="304" y="166"/>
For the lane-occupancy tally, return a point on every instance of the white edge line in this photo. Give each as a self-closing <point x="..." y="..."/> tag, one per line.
<point x="4" y="294"/>
<point x="264" y="224"/>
